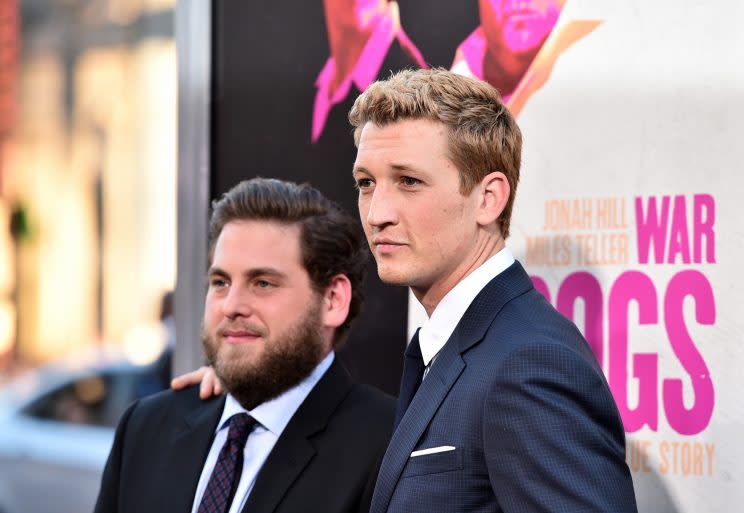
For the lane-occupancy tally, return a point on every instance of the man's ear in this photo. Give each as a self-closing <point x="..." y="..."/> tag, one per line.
<point x="336" y="300"/>
<point x="494" y="193"/>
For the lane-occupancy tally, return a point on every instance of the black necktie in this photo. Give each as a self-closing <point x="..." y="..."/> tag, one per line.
<point x="226" y="474"/>
<point x="413" y="373"/>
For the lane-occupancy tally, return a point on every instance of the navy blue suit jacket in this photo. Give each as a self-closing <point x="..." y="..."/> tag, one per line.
<point x="519" y="394"/>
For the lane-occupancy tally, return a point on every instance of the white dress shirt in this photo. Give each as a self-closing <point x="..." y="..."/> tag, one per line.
<point x="438" y="328"/>
<point x="271" y="417"/>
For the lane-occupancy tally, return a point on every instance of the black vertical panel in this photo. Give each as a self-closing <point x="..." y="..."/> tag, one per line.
<point x="267" y="55"/>
<point x="437" y="27"/>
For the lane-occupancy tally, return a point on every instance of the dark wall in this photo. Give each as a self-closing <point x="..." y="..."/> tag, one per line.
<point x="266" y="58"/>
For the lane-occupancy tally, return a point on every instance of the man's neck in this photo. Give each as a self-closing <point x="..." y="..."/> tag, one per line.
<point x="433" y="295"/>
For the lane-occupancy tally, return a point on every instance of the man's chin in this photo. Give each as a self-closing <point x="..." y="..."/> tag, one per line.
<point x="393" y="276"/>
<point x="523" y="47"/>
<point x="257" y="373"/>
<point x="231" y="364"/>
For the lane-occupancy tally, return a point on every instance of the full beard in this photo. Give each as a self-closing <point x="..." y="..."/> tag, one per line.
<point x="284" y="362"/>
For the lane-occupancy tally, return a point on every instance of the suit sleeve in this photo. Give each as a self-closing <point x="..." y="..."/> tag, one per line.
<point x="108" y="495"/>
<point x="553" y="439"/>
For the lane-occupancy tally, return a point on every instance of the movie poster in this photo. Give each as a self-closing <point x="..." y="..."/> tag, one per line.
<point x="627" y="211"/>
<point x="627" y="219"/>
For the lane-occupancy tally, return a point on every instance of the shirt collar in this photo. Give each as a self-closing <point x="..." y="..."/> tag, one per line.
<point x="438" y="328"/>
<point x="274" y="415"/>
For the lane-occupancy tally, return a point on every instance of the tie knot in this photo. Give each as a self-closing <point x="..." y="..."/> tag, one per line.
<point x="241" y="424"/>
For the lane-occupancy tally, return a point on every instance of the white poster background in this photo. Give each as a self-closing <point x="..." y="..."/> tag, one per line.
<point x="651" y="104"/>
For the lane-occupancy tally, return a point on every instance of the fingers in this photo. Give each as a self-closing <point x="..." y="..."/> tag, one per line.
<point x="218" y="390"/>
<point x="209" y="384"/>
<point x="190" y="378"/>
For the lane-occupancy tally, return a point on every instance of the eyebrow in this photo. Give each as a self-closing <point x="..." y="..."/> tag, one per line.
<point x="405" y="167"/>
<point x="359" y="169"/>
<point x="396" y="166"/>
<point x="250" y="274"/>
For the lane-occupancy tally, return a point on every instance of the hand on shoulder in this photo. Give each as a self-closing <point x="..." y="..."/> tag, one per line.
<point x="209" y="384"/>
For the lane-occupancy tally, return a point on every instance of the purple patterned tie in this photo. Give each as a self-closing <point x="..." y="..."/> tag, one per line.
<point x="226" y="474"/>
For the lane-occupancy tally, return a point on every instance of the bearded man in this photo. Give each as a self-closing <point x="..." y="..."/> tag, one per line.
<point x="293" y="433"/>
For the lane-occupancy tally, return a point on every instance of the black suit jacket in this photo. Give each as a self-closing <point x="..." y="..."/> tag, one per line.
<point x="322" y="462"/>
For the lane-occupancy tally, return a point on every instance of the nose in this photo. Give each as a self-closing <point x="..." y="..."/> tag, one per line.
<point x="381" y="208"/>
<point x="236" y="303"/>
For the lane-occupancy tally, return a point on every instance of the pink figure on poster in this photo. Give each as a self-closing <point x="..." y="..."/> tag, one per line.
<point x="515" y="47"/>
<point x="360" y="33"/>
<point x="504" y="45"/>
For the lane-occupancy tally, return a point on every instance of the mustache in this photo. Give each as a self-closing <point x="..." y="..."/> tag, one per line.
<point x="249" y="327"/>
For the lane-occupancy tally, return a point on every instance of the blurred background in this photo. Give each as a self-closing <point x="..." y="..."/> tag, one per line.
<point x="87" y="177"/>
<point x="88" y="235"/>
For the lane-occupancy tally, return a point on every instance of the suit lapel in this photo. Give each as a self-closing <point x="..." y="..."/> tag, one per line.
<point x="294" y="451"/>
<point x="189" y="449"/>
<point x="508" y="285"/>
<point x="444" y="372"/>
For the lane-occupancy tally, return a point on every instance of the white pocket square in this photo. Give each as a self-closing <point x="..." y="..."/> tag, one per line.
<point x="432" y="450"/>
